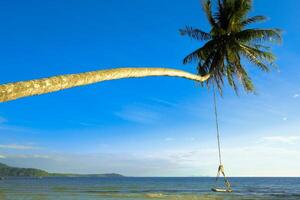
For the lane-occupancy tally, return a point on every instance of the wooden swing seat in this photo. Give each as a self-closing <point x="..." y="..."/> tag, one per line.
<point x="221" y="190"/>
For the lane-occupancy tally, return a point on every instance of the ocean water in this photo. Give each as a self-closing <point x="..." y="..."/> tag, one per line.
<point x="146" y="188"/>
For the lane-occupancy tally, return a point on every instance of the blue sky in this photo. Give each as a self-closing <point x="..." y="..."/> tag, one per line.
<point x="141" y="127"/>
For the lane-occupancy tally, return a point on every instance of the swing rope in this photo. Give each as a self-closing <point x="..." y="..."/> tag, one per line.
<point x="217" y="125"/>
<point x="221" y="167"/>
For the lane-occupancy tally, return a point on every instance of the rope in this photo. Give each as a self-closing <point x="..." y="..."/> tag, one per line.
<point x="217" y="124"/>
<point x="221" y="167"/>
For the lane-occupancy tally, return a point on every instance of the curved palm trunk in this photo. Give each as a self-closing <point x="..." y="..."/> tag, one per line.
<point x="12" y="91"/>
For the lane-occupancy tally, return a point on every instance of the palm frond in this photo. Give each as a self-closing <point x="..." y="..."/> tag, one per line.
<point x="254" y="57"/>
<point x="201" y="53"/>
<point x="245" y="79"/>
<point x="259" y="35"/>
<point x="254" y="19"/>
<point x="230" y="73"/>
<point x="241" y="8"/>
<point x="208" y="11"/>
<point x="194" y="56"/>
<point x="259" y="46"/>
<point x="264" y="55"/>
<point x="258" y="53"/>
<point x="230" y="13"/>
<point x="195" y="33"/>
<point x="232" y="59"/>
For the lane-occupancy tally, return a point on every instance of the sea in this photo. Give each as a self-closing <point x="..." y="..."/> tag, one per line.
<point x="127" y="188"/>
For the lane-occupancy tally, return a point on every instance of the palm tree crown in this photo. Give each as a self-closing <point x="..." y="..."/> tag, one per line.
<point x="230" y="42"/>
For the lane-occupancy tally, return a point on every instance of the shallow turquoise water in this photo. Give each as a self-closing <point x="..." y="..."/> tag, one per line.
<point x="146" y="188"/>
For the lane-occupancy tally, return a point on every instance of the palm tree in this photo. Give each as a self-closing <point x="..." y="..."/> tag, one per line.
<point x="12" y="91"/>
<point x="228" y="43"/>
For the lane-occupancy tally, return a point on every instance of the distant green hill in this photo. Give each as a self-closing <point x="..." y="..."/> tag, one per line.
<point x="7" y="171"/>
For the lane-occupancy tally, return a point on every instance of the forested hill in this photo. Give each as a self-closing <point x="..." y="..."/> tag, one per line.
<point x="7" y="171"/>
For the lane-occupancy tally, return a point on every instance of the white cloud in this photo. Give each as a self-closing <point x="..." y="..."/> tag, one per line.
<point x="281" y="139"/>
<point x="27" y="156"/>
<point x="284" y="118"/>
<point x="239" y="161"/>
<point x="17" y="147"/>
<point x="138" y="114"/>
<point x="296" y="95"/>
<point x="164" y="102"/>
<point x="36" y="156"/>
